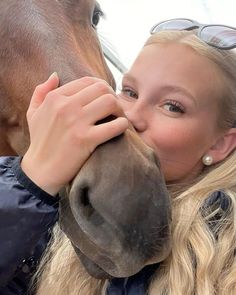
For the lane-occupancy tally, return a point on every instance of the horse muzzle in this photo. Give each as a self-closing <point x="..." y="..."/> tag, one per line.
<point x="117" y="209"/>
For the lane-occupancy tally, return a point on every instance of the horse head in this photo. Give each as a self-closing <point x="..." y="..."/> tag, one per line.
<point x="116" y="211"/>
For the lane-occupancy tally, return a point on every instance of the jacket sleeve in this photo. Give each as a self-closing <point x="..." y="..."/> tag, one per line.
<point x="26" y="214"/>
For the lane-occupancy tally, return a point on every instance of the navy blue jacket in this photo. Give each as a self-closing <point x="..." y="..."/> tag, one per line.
<point x="27" y="215"/>
<point x="135" y="285"/>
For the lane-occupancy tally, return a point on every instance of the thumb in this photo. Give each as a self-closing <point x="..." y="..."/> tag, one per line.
<point x="41" y="91"/>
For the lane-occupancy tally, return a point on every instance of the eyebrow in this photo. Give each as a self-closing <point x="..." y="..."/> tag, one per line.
<point x="129" y="77"/>
<point x="174" y="88"/>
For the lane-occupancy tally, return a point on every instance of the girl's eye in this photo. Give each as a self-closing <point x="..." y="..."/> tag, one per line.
<point x="129" y="93"/>
<point x="174" y="106"/>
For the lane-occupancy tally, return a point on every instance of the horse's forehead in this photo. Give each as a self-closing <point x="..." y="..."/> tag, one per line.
<point x="85" y="4"/>
<point x="32" y="28"/>
<point x="47" y="8"/>
<point x="81" y="7"/>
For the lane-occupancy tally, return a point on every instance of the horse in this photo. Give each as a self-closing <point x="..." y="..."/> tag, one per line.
<point x="115" y="215"/>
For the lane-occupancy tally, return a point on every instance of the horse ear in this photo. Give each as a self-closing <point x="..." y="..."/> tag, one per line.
<point x="224" y="146"/>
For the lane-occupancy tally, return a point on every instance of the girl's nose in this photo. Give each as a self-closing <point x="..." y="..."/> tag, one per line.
<point x="136" y="115"/>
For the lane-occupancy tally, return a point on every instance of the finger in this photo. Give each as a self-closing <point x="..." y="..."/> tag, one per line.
<point x="106" y="131"/>
<point x="91" y="93"/>
<point x="75" y="86"/>
<point x="42" y="90"/>
<point x="103" y="107"/>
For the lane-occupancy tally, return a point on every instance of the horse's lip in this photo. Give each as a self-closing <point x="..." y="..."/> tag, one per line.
<point x="92" y="268"/>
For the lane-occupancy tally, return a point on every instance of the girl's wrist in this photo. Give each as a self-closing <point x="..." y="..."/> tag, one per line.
<point x="39" y="177"/>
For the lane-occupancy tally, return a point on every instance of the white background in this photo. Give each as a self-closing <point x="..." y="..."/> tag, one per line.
<point x="128" y="22"/>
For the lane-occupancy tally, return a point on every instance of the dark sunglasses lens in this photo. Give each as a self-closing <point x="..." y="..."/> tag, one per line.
<point x="219" y="36"/>
<point x="178" y="24"/>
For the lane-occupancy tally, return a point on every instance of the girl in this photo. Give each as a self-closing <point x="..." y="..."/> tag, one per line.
<point x="180" y="96"/>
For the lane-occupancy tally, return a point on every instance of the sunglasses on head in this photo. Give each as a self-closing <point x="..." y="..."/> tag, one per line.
<point x="218" y="36"/>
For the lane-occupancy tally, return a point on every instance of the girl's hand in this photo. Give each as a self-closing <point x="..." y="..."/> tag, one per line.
<point x="63" y="130"/>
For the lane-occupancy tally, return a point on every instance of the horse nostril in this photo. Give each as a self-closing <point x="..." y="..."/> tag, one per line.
<point x="85" y="209"/>
<point x="84" y="197"/>
<point x="85" y="202"/>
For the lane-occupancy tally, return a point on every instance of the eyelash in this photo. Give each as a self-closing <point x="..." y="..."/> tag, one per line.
<point x="178" y="107"/>
<point x="125" y="91"/>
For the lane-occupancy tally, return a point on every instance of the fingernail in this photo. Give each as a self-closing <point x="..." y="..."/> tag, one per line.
<point x="54" y="74"/>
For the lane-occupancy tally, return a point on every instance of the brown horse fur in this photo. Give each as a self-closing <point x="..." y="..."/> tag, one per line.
<point x="116" y="212"/>
<point x="38" y="38"/>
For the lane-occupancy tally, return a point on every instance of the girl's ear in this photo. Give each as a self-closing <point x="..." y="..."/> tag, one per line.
<point x="224" y="146"/>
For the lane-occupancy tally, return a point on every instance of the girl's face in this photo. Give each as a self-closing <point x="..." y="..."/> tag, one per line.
<point x="170" y="95"/>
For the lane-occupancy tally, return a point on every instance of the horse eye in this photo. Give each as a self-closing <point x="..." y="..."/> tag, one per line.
<point x="97" y="14"/>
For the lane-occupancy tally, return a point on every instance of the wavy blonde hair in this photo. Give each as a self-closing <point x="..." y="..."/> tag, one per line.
<point x="202" y="260"/>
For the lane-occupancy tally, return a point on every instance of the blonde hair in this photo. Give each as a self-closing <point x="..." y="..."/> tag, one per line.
<point x="202" y="260"/>
<point x="60" y="271"/>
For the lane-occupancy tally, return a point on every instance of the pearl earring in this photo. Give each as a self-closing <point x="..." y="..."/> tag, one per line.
<point x="207" y="160"/>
